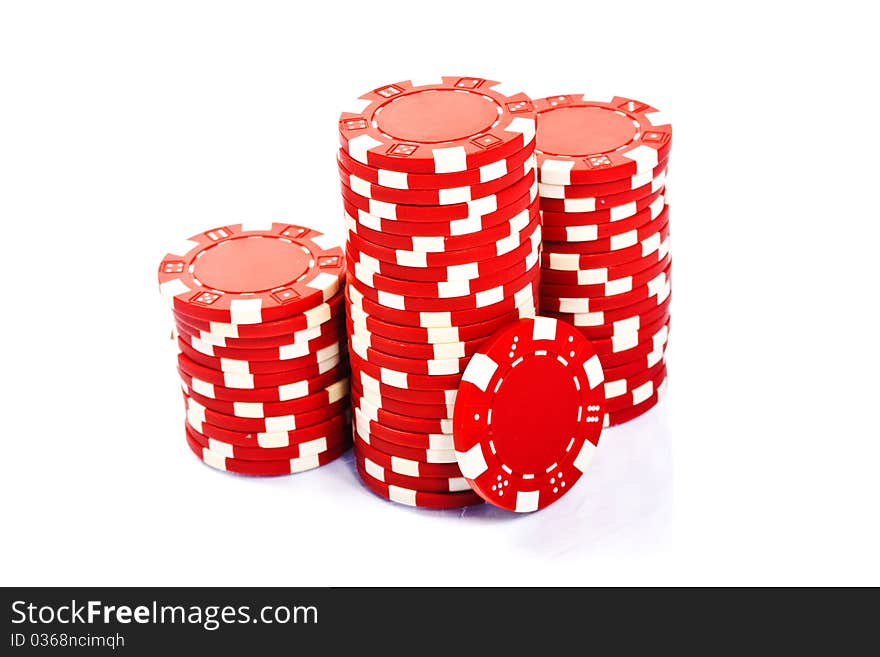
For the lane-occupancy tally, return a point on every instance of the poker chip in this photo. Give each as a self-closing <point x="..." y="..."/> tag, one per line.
<point x="443" y="351"/>
<point x="432" y="441"/>
<point x="513" y="457"/>
<point x="367" y="384"/>
<point x="442" y="425"/>
<point x="436" y="485"/>
<point x="418" y="498"/>
<point x="440" y="126"/>
<point x="289" y="269"/>
<point x="416" y="454"/>
<point x="428" y="366"/>
<point x="259" y="330"/>
<point x="625" y="415"/>
<point x="405" y="466"/>
<point x="605" y="261"/>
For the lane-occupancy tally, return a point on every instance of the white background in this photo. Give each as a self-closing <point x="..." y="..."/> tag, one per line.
<point x="127" y="126"/>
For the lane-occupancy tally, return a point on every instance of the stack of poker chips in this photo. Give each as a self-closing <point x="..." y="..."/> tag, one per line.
<point x="605" y="261"/>
<point x="259" y="327"/>
<point x="440" y="202"/>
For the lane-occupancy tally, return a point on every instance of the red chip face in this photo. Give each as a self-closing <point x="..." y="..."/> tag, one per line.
<point x="529" y="414"/>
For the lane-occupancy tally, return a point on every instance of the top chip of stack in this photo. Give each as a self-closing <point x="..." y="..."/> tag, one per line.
<point x="605" y="263"/>
<point x="440" y="196"/>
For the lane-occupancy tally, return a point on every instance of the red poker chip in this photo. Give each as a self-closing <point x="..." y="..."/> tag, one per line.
<point x="401" y="422"/>
<point x="438" y="335"/>
<point x="290" y="422"/>
<point x="635" y="366"/>
<point x="329" y="430"/>
<point x="607" y="317"/>
<point x="606" y="231"/>
<point x="404" y="379"/>
<point x="608" y="289"/>
<point x="442" y="289"/>
<point x="604" y="274"/>
<point x="586" y="142"/>
<point x="412" y="350"/>
<point x="420" y="259"/>
<point x="514" y="457"/>
<point x="229" y="365"/>
<point x="547" y="190"/>
<point x="332" y="393"/>
<point x="435" y="456"/>
<point x="591" y="204"/>
<point x="478" y="207"/>
<point x="655" y="287"/>
<point x="242" y="276"/>
<point x="332" y="327"/>
<point x="648" y="345"/>
<point x="615" y="418"/>
<point x="599" y="217"/>
<point x="283" y="393"/>
<point x="288" y="353"/>
<point x="316" y="316"/>
<point x="402" y="465"/>
<point x="411" y="365"/>
<point x="578" y="261"/>
<point x="296" y="451"/>
<point x="460" y="272"/>
<point x="616" y="242"/>
<point x="433" y="412"/>
<point x="626" y="334"/>
<point x="367" y="383"/>
<point x="514" y="223"/>
<point x="452" y="304"/>
<point x="638" y="388"/>
<point x="434" y="485"/>
<point x="264" y="468"/>
<point x="412" y="439"/>
<point x="454" y="124"/>
<point x="437" y="319"/>
<point x="247" y="381"/>
<point x="418" y="498"/>
<point x="438" y="196"/>
<point x="510" y="166"/>
<point x="447" y="228"/>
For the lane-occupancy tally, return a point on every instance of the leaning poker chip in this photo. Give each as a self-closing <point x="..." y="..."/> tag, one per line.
<point x="411" y="365"/>
<point x="268" y="342"/>
<point x="604" y="216"/>
<point x="436" y="196"/>
<point x="318" y="315"/>
<point x="616" y="242"/>
<point x="601" y="275"/>
<point x="609" y="288"/>
<point x="249" y="274"/>
<point x="415" y="259"/>
<point x="264" y="468"/>
<point x="482" y="299"/>
<point x="441" y="126"/>
<point x="446" y="485"/>
<point x="622" y="416"/>
<point x="438" y="335"/>
<point x="238" y="366"/>
<point x="442" y="289"/>
<point x="366" y="383"/>
<point x="330" y="430"/>
<point x="290" y="392"/>
<point x="594" y="232"/>
<point x="514" y="457"/>
<point x="416" y="350"/>
<point x="438" y="319"/>
<point x="446" y="456"/>
<point x="578" y="261"/>
<point x="328" y="395"/>
<point x="418" y="498"/>
<point x="365" y="200"/>
<point x="401" y="465"/>
<point x="434" y="181"/>
<point x="459" y="272"/>
<point x="652" y="288"/>
<point x="432" y="441"/>
<point x="546" y="190"/>
<point x="441" y="243"/>
<point x="289" y="422"/>
<point x="398" y="421"/>
<point x="308" y="448"/>
<point x="293" y="351"/>
<point x="246" y="380"/>
<point x="591" y="204"/>
<point x="586" y="142"/>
